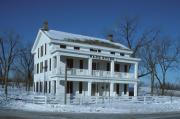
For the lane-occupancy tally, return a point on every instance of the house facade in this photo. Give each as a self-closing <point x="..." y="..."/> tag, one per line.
<point x="93" y="66"/>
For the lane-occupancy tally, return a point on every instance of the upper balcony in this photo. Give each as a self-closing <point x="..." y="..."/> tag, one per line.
<point x="94" y="73"/>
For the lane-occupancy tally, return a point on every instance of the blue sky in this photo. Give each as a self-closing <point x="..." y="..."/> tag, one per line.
<point x="88" y="17"/>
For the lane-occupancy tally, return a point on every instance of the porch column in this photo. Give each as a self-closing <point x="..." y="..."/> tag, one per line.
<point x="111" y="89"/>
<point x="135" y="89"/>
<point x="90" y="66"/>
<point x="55" y="61"/>
<point x="58" y="64"/>
<point x="112" y="68"/>
<point x="89" y="88"/>
<point x="136" y="70"/>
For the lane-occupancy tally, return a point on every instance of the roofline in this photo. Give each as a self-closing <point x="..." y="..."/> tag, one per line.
<point x="92" y="46"/>
<point x="100" y="39"/>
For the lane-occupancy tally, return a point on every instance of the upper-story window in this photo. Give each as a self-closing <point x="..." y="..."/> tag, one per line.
<point x="122" y="54"/>
<point x="76" y="48"/>
<point x="113" y="53"/>
<point x="108" y="67"/>
<point x="38" y="52"/>
<point x="41" y="50"/>
<point x="81" y="64"/>
<point x="126" y="68"/>
<point x="69" y="63"/>
<point x="45" y="48"/>
<point x="46" y="66"/>
<point x="41" y="67"/>
<point x="117" y="68"/>
<point x="63" y="46"/>
<point x="95" y="50"/>
<point x="37" y="68"/>
<point x="50" y="64"/>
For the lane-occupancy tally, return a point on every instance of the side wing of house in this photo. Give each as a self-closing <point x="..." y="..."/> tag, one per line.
<point x="41" y="52"/>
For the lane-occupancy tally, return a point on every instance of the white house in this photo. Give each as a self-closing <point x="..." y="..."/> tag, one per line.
<point x="95" y="67"/>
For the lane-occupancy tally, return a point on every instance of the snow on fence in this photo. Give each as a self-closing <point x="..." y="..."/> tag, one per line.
<point x="87" y="100"/>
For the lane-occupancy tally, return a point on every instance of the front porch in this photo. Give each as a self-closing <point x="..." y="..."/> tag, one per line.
<point x="94" y="67"/>
<point x="87" y="88"/>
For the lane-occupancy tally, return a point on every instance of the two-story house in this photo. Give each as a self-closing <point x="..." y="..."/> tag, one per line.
<point x="95" y="67"/>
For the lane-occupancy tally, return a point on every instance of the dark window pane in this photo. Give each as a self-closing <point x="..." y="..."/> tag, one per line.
<point x="63" y="46"/>
<point x="76" y="48"/>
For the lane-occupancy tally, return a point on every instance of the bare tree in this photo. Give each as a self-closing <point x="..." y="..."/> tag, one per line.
<point x="149" y="61"/>
<point x="25" y="65"/>
<point x="8" y="52"/>
<point x="167" y="59"/>
<point x="127" y="33"/>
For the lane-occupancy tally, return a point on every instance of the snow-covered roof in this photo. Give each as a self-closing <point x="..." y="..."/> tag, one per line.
<point x="70" y="37"/>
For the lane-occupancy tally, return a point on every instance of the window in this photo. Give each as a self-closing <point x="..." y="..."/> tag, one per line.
<point x="95" y="66"/>
<point x="37" y="86"/>
<point x="41" y="67"/>
<point x="69" y="87"/>
<point x="80" y="87"/>
<point x="69" y="63"/>
<point x="76" y="48"/>
<point x="46" y="66"/>
<point x="41" y="51"/>
<point x="94" y="50"/>
<point x="113" y="53"/>
<point x="81" y="64"/>
<point x="37" y="68"/>
<point x="125" y="88"/>
<point x="125" y="68"/>
<point x="38" y="52"/>
<point x="63" y="46"/>
<point x="45" y="87"/>
<point x="54" y="87"/>
<point x="108" y="67"/>
<point x="122" y="54"/>
<point x="50" y="64"/>
<point x="40" y="86"/>
<point x="49" y="86"/>
<point x="117" y="68"/>
<point x="45" y="48"/>
<point x="117" y="88"/>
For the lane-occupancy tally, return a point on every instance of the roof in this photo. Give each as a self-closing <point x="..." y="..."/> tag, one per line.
<point x="70" y="37"/>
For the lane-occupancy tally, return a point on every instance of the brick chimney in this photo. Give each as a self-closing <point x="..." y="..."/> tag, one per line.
<point x="45" y="26"/>
<point x="110" y="37"/>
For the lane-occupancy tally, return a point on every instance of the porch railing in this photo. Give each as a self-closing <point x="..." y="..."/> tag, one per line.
<point x="74" y="71"/>
<point x="124" y="75"/>
<point x="101" y="73"/>
<point x="97" y="73"/>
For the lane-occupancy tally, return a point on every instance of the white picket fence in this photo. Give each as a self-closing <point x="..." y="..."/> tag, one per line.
<point x="87" y="100"/>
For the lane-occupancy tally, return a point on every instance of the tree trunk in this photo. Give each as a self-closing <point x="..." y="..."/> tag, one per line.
<point x="152" y="83"/>
<point x="29" y="81"/>
<point x="6" y="86"/>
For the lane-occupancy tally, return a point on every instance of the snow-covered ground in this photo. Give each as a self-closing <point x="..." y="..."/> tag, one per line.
<point x="15" y="95"/>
